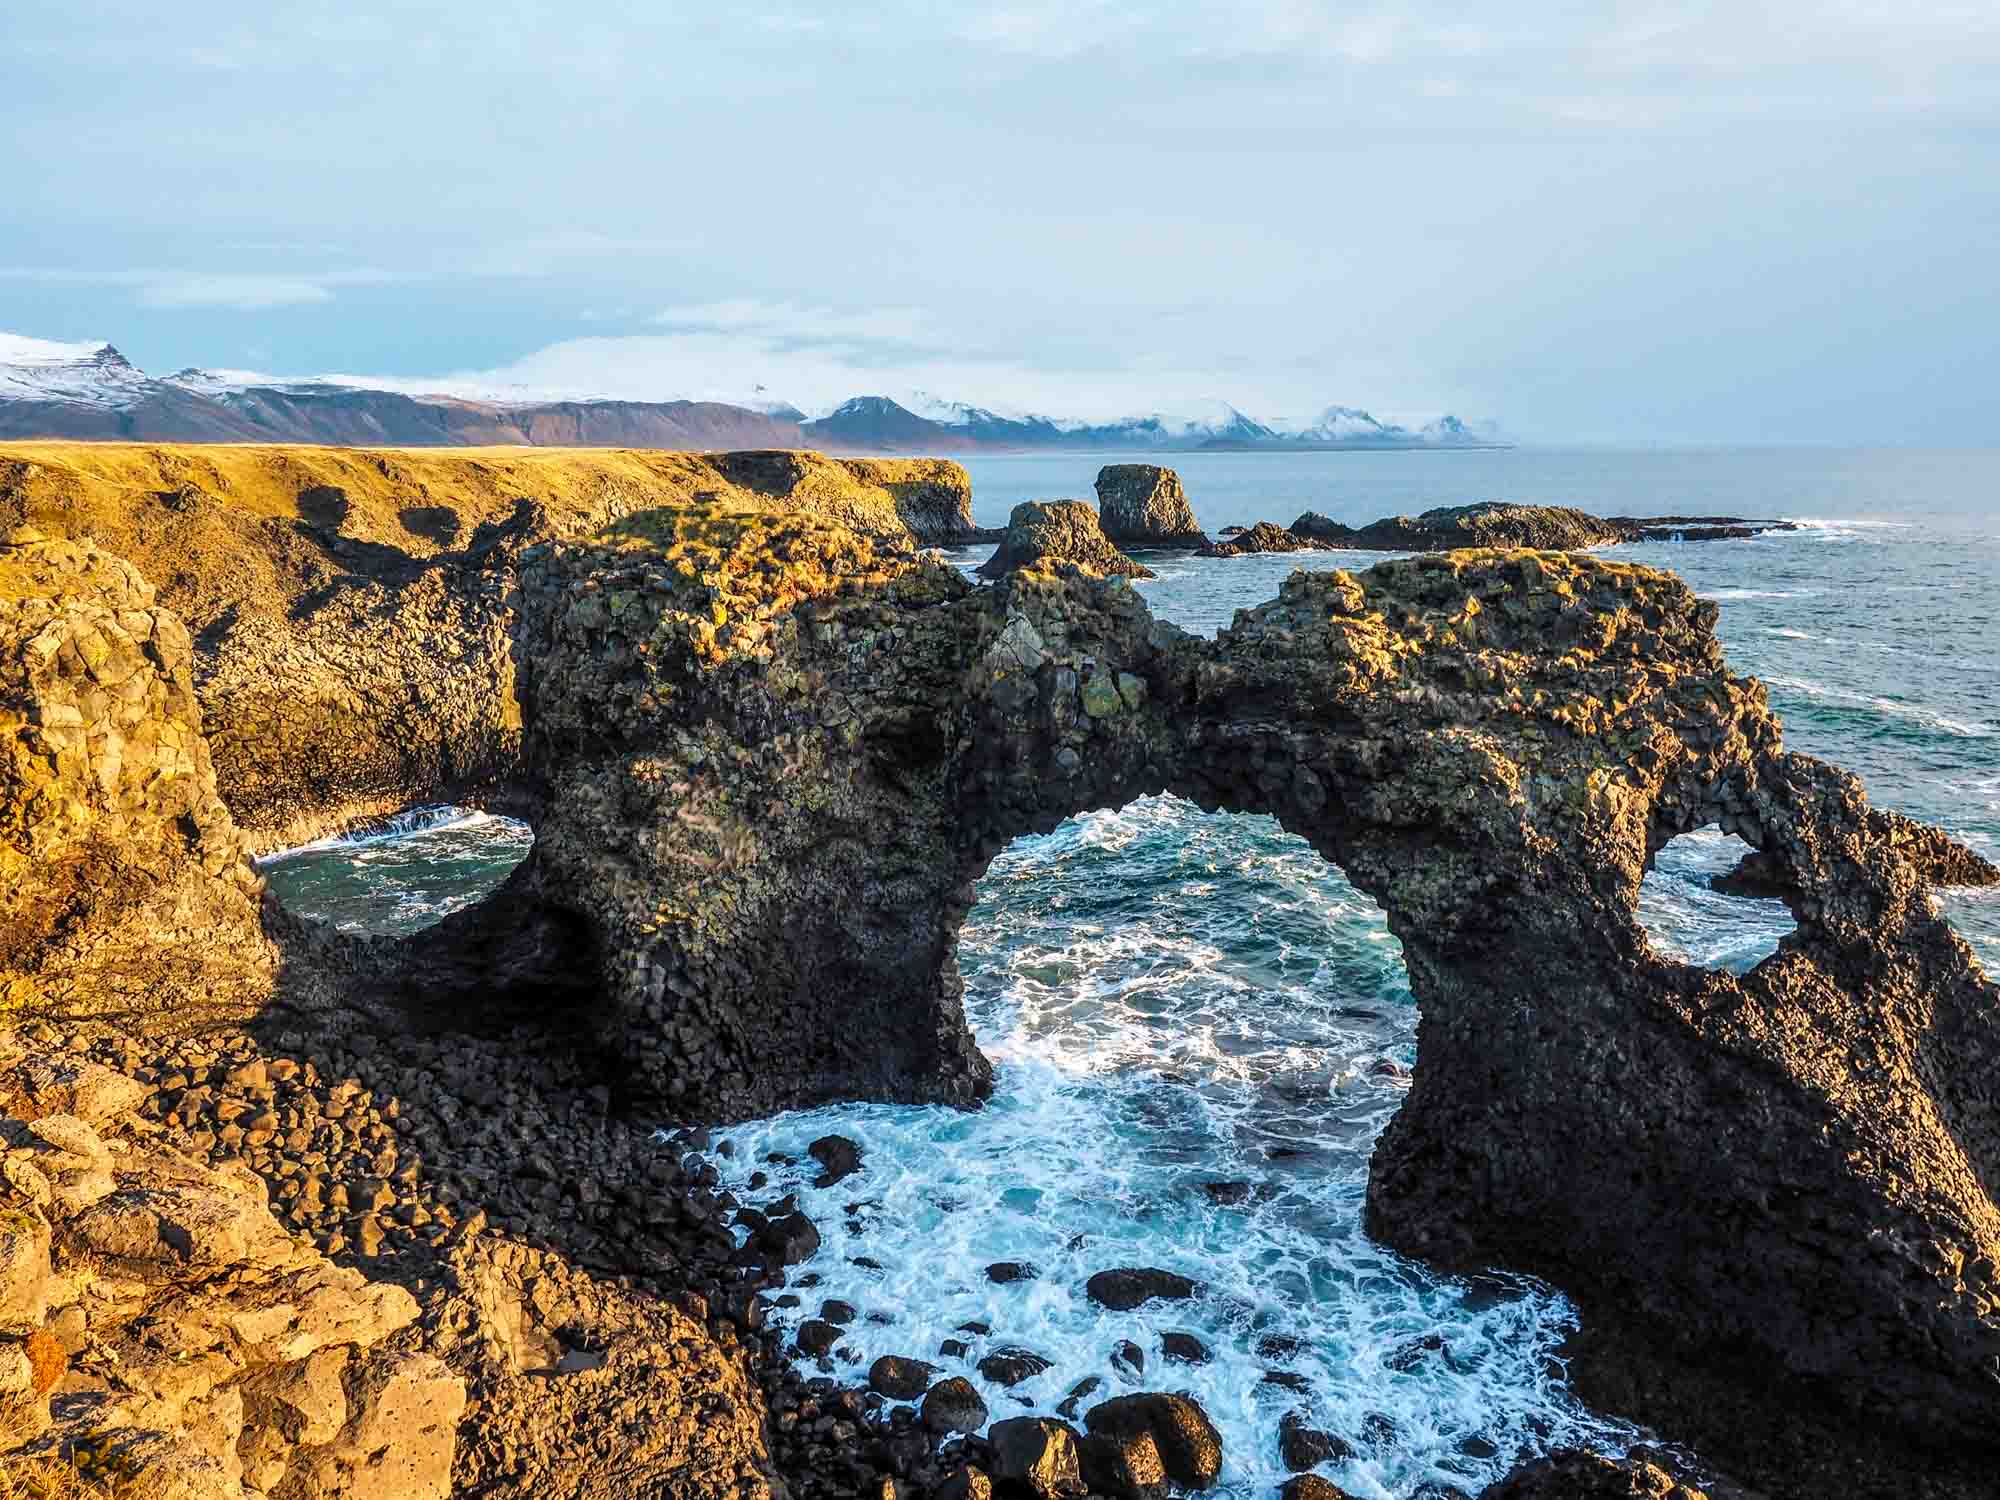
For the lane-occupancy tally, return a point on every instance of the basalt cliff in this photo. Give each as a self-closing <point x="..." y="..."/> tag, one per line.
<point x="767" y="747"/>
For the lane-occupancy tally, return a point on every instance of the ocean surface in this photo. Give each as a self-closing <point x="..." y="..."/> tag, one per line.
<point x="1175" y="1000"/>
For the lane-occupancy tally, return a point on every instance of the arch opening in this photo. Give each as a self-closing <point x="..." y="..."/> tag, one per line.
<point x="1199" y="1028"/>
<point x="402" y="875"/>
<point x="1696" y="907"/>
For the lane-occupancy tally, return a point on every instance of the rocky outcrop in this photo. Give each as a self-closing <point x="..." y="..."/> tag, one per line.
<point x="1042" y="533"/>
<point x="767" y="758"/>
<point x="1143" y="505"/>
<point x="349" y="611"/>
<point x="1494" y="523"/>
<point x="1491" y="744"/>
<point x="164" y="1329"/>
<point x="128" y="886"/>
<point x="1265" y="536"/>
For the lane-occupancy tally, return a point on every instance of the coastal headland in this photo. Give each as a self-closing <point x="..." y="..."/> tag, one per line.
<point x="294" y="1212"/>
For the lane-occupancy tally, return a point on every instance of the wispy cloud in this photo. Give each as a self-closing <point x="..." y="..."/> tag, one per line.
<point x="252" y="291"/>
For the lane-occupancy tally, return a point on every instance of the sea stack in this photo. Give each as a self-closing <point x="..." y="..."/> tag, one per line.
<point x="1143" y="505"/>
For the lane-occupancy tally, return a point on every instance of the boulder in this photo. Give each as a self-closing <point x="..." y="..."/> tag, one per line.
<point x="1302" y="1446"/>
<point x="1036" y="1457"/>
<point x="1127" y="1287"/>
<point x="1142" y="505"/>
<point x="1311" y="1487"/>
<point x="953" y="1405"/>
<point x="900" y="1379"/>
<point x="1264" y="537"/>
<point x="1189" y="1447"/>
<point x="1010" y="1366"/>
<point x="838" y="1157"/>
<point x="1044" y="533"/>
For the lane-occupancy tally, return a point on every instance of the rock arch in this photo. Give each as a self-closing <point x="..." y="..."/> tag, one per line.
<point x="767" y="758"/>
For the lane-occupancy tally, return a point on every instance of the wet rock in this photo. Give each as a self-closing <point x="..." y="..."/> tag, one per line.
<point x="838" y="1157"/>
<point x="1189" y="1447"/>
<point x="1126" y="1355"/>
<point x="1184" y="1348"/>
<point x="1227" y="1194"/>
<point x="1010" y="1366"/>
<point x="1006" y="1272"/>
<point x="900" y="1379"/>
<point x="953" y="1405"/>
<point x="789" y="1240"/>
<point x="1082" y="1391"/>
<point x="1311" y="1487"/>
<point x="1036" y="1456"/>
<point x="816" y="1337"/>
<point x="1302" y="1446"/>
<point x="837" y="1312"/>
<point x="1128" y="1288"/>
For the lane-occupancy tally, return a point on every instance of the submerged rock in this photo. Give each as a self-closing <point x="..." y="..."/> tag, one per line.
<point x="1143" y="505"/>
<point x="1042" y="533"/>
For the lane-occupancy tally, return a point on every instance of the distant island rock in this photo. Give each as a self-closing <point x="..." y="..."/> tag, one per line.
<point x="1553" y="528"/>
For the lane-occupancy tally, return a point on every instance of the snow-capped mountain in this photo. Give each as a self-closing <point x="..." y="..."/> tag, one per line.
<point x="90" y="390"/>
<point x="91" y="374"/>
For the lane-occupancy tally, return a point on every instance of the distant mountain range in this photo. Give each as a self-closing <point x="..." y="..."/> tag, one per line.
<point x="91" y="391"/>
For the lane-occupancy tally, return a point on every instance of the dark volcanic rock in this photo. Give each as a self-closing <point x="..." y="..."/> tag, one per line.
<point x="1189" y="1447"/>
<point x="1302" y="1446"/>
<point x="839" y="1159"/>
<point x="1042" y="533"/>
<point x="789" y="1240"/>
<point x="900" y="1379"/>
<point x="1185" y="1348"/>
<point x="1573" y="1475"/>
<point x="1036" y="1456"/>
<point x="1494" y="523"/>
<point x="1311" y="1487"/>
<point x="1265" y="536"/>
<point x="817" y="1337"/>
<point x="964" y="1484"/>
<point x="1123" y="1289"/>
<point x="1011" y="1366"/>
<point x="1006" y="1272"/>
<point x="954" y="1405"/>
<point x="1142" y="505"/>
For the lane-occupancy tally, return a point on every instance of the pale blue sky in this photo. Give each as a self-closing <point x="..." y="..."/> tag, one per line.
<point x="1744" y="222"/>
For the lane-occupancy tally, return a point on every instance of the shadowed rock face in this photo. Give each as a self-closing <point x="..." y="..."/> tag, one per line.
<point x="768" y="758"/>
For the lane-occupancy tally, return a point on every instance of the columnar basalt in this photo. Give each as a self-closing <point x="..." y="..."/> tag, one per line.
<point x="1143" y="505"/>
<point x="767" y="806"/>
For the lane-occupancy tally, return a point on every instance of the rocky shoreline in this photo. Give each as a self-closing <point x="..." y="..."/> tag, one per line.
<point x="767" y="746"/>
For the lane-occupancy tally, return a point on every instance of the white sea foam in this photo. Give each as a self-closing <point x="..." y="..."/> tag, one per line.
<point x="415" y="820"/>
<point x="1170" y="1001"/>
<point x="1688" y="919"/>
<point x="1911" y="713"/>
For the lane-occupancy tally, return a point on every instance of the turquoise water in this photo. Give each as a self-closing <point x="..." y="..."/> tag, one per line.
<point x="1175" y="1000"/>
